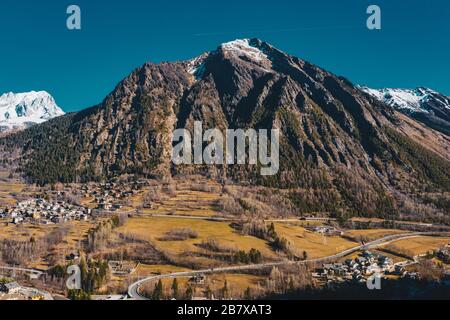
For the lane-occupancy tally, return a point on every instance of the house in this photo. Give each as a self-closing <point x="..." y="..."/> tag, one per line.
<point x="336" y="269"/>
<point x="198" y="279"/>
<point x="398" y="269"/>
<point x="10" y="287"/>
<point x="411" y="275"/>
<point x="361" y="261"/>
<point x="369" y="256"/>
<point x="350" y="262"/>
<point x="327" y="230"/>
<point x="444" y="255"/>
<point x="327" y="268"/>
<point x="385" y="263"/>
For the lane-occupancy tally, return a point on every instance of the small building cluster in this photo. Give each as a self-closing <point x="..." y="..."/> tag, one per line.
<point x="122" y="268"/>
<point x="40" y="211"/>
<point x="358" y="269"/>
<point x="327" y="230"/>
<point x="108" y="195"/>
<point x="444" y="255"/>
<point x="198" y="279"/>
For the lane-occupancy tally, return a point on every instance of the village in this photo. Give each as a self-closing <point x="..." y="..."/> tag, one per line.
<point x="59" y="206"/>
<point x="125" y="223"/>
<point x="367" y="265"/>
<point x="112" y="195"/>
<point x="358" y="269"/>
<point x="40" y="211"/>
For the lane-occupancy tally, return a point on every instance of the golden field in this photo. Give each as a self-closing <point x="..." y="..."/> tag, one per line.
<point x="314" y="244"/>
<point x="7" y="189"/>
<point x="187" y="203"/>
<point x="153" y="228"/>
<point x="419" y="245"/>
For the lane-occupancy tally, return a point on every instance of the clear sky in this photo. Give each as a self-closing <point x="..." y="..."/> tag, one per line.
<point x="79" y="68"/>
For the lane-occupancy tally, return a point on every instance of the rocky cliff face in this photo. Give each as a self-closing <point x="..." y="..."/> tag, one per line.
<point x="336" y="139"/>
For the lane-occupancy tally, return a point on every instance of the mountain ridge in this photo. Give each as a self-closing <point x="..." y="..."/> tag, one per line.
<point x="423" y="104"/>
<point x="341" y="149"/>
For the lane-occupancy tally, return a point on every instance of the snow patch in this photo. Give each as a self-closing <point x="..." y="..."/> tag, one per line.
<point x="196" y="66"/>
<point x="242" y="47"/>
<point x="405" y="99"/>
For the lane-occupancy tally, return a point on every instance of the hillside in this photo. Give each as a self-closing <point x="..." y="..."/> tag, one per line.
<point x="342" y="150"/>
<point x="423" y="104"/>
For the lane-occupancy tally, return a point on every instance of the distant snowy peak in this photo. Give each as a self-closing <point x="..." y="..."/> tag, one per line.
<point x="20" y="110"/>
<point x="410" y="100"/>
<point x="423" y="104"/>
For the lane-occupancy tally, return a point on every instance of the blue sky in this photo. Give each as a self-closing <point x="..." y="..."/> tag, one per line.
<point x="79" y="68"/>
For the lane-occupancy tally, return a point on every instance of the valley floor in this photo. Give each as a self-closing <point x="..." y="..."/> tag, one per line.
<point x="182" y="226"/>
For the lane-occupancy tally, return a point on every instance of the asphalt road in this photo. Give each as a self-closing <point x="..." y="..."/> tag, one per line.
<point x="133" y="289"/>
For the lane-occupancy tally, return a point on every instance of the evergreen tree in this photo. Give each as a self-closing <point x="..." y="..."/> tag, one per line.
<point x="189" y="293"/>
<point x="225" y="290"/>
<point x="175" y="288"/>
<point x="248" y="294"/>
<point x="158" y="292"/>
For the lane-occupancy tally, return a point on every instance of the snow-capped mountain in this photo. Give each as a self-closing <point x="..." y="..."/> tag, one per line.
<point x="21" y="110"/>
<point x="423" y="104"/>
<point x="334" y="138"/>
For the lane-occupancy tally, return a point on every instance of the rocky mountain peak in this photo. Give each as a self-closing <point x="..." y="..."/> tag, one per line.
<point x="19" y="110"/>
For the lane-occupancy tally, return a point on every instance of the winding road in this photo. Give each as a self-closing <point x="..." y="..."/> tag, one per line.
<point x="133" y="289"/>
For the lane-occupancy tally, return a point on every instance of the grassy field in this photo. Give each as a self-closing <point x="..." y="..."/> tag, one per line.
<point x="418" y="245"/>
<point x="188" y="203"/>
<point x="7" y="189"/>
<point x="77" y="231"/>
<point x="22" y="232"/>
<point x="153" y="228"/>
<point x="157" y="269"/>
<point x="313" y="243"/>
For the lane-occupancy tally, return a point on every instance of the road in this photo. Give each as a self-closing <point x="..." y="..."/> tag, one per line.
<point x="133" y="289"/>
<point x="34" y="271"/>
<point x="217" y="218"/>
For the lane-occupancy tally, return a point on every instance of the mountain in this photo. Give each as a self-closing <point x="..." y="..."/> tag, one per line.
<point x="423" y="104"/>
<point x="341" y="149"/>
<point x="20" y="110"/>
